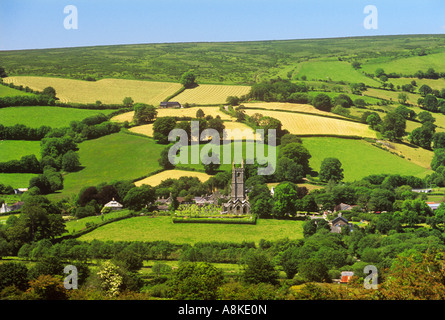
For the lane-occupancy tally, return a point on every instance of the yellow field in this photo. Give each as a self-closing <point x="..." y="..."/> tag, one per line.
<point x="414" y="154"/>
<point x="173" y="174"/>
<point x="146" y="129"/>
<point x="287" y="107"/>
<point x="311" y="124"/>
<point x="391" y="95"/>
<point x="233" y="125"/>
<point x="185" y="112"/>
<point x="210" y="94"/>
<point x="108" y="91"/>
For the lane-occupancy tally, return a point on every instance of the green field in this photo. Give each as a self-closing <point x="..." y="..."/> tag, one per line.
<point x="79" y="224"/>
<point x="16" y="180"/>
<point x="54" y="117"/>
<point x="162" y="228"/>
<point x="333" y="70"/>
<point x="119" y="156"/>
<point x="409" y="65"/>
<point x="11" y="92"/>
<point x="359" y="158"/>
<point x="15" y="149"/>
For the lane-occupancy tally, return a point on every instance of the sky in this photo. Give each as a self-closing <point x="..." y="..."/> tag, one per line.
<point x="36" y="24"/>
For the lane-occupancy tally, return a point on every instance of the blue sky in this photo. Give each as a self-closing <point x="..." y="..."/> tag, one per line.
<point x="31" y="24"/>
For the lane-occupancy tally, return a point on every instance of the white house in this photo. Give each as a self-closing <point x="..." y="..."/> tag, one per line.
<point x="114" y="205"/>
<point x="5" y="208"/>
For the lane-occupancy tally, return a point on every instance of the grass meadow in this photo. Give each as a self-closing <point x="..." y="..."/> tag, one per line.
<point x="15" y="149"/>
<point x="359" y="158"/>
<point x="147" y="228"/>
<point x="119" y="156"/>
<point x="333" y="70"/>
<point x="11" y="92"/>
<point x="16" y="180"/>
<point x="36" y="116"/>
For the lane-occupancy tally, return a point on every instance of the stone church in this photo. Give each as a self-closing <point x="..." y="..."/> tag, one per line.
<point x="238" y="203"/>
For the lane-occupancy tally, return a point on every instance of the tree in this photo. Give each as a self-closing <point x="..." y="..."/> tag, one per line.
<point x="426" y="116"/>
<point x="315" y="270"/>
<point x="196" y="281"/>
<point x="3" y="73"/>
<point x="322" y="102"/>
<point x="284" y="200"/>
<point x="200" y="114"/>
<point x="438" y="159"/>
<point x="439" y="140"/>
<point x="138" y="198"/>
<point x="393" y="126"/>
<point x="374" y="120"/>
<point x="162" y="127"/>
<point x="423" y="136"/>
<point x="144" y="113"/>
<point x="164" y="161"/>
<point x="13" y="274"/>
<point x="297" y="153"/>
<point x="331" y="170"/>
<point x="70" y="161"/>
<point x="188" y="80"/>
<point x="128" y="102"/>
<point x="233" y="100"/>
<point x="424" y="90"/>
<point x="258" y="269"/>
<point x="50" y="92"/>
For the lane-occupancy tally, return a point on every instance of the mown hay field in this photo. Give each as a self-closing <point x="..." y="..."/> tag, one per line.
<point x="108" y="91"/>
<point x="285" y="106"/>
<point x="210" y="94"/>
<point x="184" y="112"/>
<point x="156" y="179"/>
<point x="304" y="124"/>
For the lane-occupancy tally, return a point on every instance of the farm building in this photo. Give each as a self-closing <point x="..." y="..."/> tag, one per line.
<point x="20" y="190"/>
<point x="422" y="190"/>
<point x="346" y="276"/>
<point x="338" y="223"/>
<point x="433" y="205"/>
<point x="170" y="104"/>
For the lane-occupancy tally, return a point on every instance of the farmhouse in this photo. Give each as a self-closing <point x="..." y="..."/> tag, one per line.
<point x="238" y="203"/>
<point x="170" y="104"/>
<point x="433" y="205"/>
<point x="338" y="223"/>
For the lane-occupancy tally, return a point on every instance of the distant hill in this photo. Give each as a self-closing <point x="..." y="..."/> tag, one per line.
<point x="217" y="62"/>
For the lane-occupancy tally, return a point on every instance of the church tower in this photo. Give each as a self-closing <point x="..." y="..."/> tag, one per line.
<point x="238" y="188"/>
